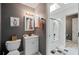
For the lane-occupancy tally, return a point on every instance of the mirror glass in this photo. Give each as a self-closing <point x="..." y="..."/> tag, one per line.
<point x="29" y="23"/>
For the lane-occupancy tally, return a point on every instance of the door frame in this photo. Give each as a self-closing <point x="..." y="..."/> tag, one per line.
<point x="65" y="24"/>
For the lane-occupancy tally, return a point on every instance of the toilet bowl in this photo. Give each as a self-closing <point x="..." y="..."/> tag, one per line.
<point x="12" y="47"/>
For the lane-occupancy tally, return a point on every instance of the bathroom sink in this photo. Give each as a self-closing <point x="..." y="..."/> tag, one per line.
<point x="32" y="36"/>
<point x="30" y="44"/>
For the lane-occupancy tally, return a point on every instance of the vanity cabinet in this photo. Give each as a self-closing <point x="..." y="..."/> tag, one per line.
<point x="30" y="45"/>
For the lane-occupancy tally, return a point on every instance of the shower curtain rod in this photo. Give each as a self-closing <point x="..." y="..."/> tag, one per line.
<point x="52" y="18"/>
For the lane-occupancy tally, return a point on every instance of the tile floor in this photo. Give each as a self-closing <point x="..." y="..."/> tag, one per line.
<point x="38" y="53"/>
<point x="71" y="44"/>
<point x="71" y="47"/>
<point x="72" y="51"/>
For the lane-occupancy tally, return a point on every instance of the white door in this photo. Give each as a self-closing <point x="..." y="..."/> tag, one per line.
<point x="75" y="30"/>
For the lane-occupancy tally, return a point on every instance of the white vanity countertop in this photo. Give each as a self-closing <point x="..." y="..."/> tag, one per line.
<point x="31" y="36"/>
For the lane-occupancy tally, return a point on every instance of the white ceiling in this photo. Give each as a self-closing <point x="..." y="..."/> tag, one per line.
<point x="33" y="5"/>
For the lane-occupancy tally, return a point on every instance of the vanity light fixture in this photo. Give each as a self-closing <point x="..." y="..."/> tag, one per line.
<point x="29" y="13"/>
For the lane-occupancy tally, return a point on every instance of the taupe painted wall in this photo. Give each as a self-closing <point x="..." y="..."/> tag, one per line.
<point x="13" y="10"/>
<point x="19" y="10"/>
<point x="40" y="10"/>
<point x="0" y="23"/>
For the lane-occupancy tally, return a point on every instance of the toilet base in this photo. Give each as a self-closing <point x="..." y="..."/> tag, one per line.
<point x="14" y="52"/>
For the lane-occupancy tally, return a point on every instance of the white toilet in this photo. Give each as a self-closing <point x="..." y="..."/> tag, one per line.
<point x="12" y="47"/>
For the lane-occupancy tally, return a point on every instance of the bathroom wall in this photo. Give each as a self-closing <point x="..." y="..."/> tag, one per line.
<point x="0" y="28"/>
<point x="19" y="10"/>
<point x="41" y="11"/>
<point x="15" y="10"/>
<point x="0" y="24"/>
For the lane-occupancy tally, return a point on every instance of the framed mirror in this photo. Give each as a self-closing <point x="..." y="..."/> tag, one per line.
<point x="29" y="23"/>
